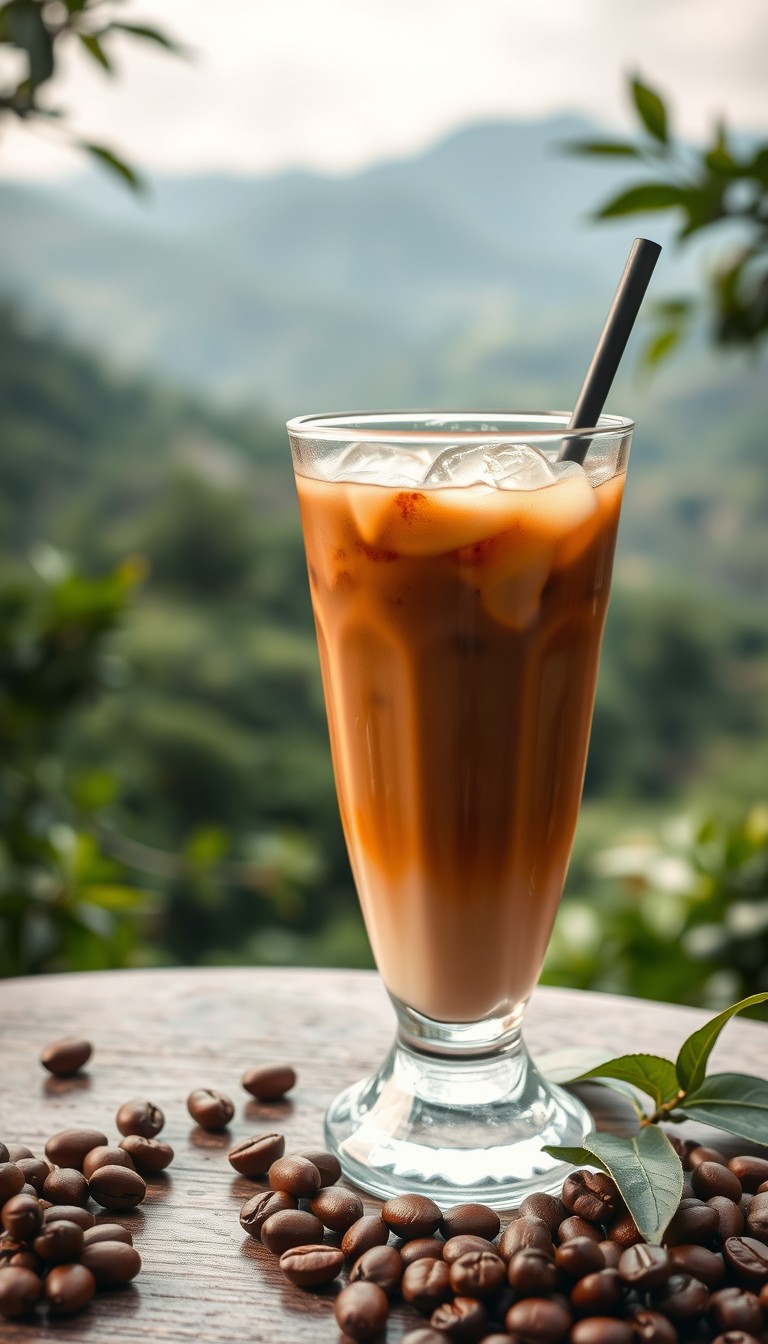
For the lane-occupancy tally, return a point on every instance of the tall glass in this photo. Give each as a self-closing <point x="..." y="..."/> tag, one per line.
<point x="459" y="586"/>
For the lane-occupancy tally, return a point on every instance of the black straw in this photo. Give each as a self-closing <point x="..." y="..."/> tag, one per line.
<point x="611" y="345"/>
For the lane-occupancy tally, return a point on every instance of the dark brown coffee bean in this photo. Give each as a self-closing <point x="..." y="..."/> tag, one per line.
<point x="424" y="1334"/>
<point x="579" y="1257"/>
<point x="371" y="1230"/>
<point x="107" y="1232"/>
<point x="522" y="1232"/>
<point x="327" y="1164"/>
<point x="269" y="1082"/>
<point x="69" y="1288"/>
<point x="105" y="1157"/>
<point x="34" y="1171"/>
<point x="650" y="1327"/>
<point x="623" y="1231"/>
<point x="538" y="1320"/>
<point x="701" y="1154"/>
<point x="735" y="1337"/>
<point x="694" y="1224"/>
<point x="255" y="1211"/>
<point x="682" y="1298"/>
<point x="59" y="1243"/>
<point x="254" y="1156"/>
<point x="757" y="1218"/>
<point x="65" y="1057"/>
<point x="470" y="1220"/>
<point x="311" y="1266"/>
<point x="463" y="1319"/>
<point x="69" y="1147"/>
<point x="548" y="1208"/>
<point x="612" y="1253"/>
<point x="426" y="1283"/>
<point x="598" y="1294"/>
<point x="763" y="1297"/>
<point x="361" y="1310"/>
<point x="477" y="1274"/>
<point x="28" y="1189"/>
<point x="139" y="1116"/>
<point x="337" y="1208"/>
<point x="457" y="1246"/>
<point x="730" y="1217"/>
<point x="497" y="1338"/>
<point x="532" y="1273"/>
<point x="148" y="1155"/>
<point x="602" y="1330"/>
<point x="16" y="1151"/>
<point x="211" y="1109"/>
<point x="736" y="1309"/>
<point x="749" y="1171"/>
<point x="578" y="1227"/>
<point x="382" y="1265"/>
<point x="701" y="1263"/>
<point x="591" y="1195"/>
<point x="421" y="1248"/>
<point x="69" y="1213"/>
<point x="645" y="1267"/>
<point x="296" y="1175"/>
<point x="20" y="1290"/>
<point x="748" y="1261"/>
<point x="65" y="1185"/>
<point x="26" y="1259"/>
<point x="5" y="1155"/>
<point x="11" y="1181"/>
<point x="713" y="1178"/>
<point x="22" y="1216"/>
<point x="8" y="1248"/>
<point x="117" y="1187"/>
<point x="111" y="1262"/>
<point x="411" y="1216"/>
<point x="291" y="1227"/>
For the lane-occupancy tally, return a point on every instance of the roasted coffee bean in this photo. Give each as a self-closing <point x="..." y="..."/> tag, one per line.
<point x="69" y="1147"/>
<point x="148" y="1155"/>
<point x="15" y="1152"/>
<point x="28" y="1189"/>
<point x="763" y="1297"/>
<point x="69" y="1213"/>
<point x="694" y="1224"/>
<point x="368" y="1231"/>
<point x="470" y="1220"/>
<point x="612" y="1253"/>
<point x="591" y="1195"/>
<point x="8" y="1248"/>
<point x="579" y="1257"/>
<point x="291" y="1227"/>
<point x="650" y="1327"/>
<point x="26" y="1259"/>
<point x="411" y="1216"/>
<point x="117" y="1187"/>
<point x="623" y="1231"/>
<point x="701" y="1263"/>
<point x="757" y="1218"/>
<point x="105" y="1157"/>
<point x="735" y="1337"/>
<point x="457" y="1246"/>
<point x="255" y="1212"/>
<point x="312" y="1266"/>
<point x="463" y="1319"/>
<point x="69" y="1288"/>
<point x="548" y="1208"/>
<point x="382" y="1265"/>
<point x="337" y="1208"/>
<point x="421" y="1248"/>
<point x="211" y="1109"/>
<point x="602" y="1330"/>
<point x="701" y="1154"/>
<point x="65" y="1057"/>
<point x="532" y="1273"/>
<point x="327" y="1164"/>
<point x="269" y="1082"/>
<point x="736" y="1309"/>
<point x="426" y="1283"/>
<point x="645" y="1267"/>
<point x="730" y="1217"/>
<point x="4" y="1154"/>
<point x="497" y="1339"/>
<point x="11" y="1181"/>
<point x="748" y="1261"/>
<point x="598" y="1294"/>
<point x="138" y="1116"/>
<point x="65" y="1185"/>
<point x="745" y="1203"/>
<point x="477" y="1274"/>
<point x="578" y="1227"/>
<point x="254" y="1156"/>
<point x="22" y="1216"/>
<point x="34" y="1171"/>
<point x="20" y="1290"/>
<point x="713" y="1178"/>
<point x="111" y="1262"/>
<point x="107" y="1232"/>
<point x="59" y="1243"/>
<point x="296" y="1175"/>
<point x="749" y="1171"/>
<point x="361" y="1310"/>
<point x="522" y="1232"/>
<point x="682" y="1298"/>
<point x="538" y="1320"/>
<point x="424" y="1334"/>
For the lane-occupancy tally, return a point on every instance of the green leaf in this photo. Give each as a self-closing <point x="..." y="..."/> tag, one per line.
<point x="692" y="1059"/>
<point x="651" y="110"/>
<point x="646" y="1169"/>
<point x="94" y="48"/>
<point x="27" y="30"/>
<point x="150" y="34"/>
<point x="604" y="148"/>
<point x="114" y="163"/>
<point x="661" y="345"/>
<point x="734" y="1102"/>
<point x="652" y="1074"/>
<point x="646" y="196"/>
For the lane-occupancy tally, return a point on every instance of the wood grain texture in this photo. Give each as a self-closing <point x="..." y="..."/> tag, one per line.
<point x="159" y="1034"/>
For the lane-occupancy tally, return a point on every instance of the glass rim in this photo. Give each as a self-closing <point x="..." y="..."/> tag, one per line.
<point x="343" y="425"/>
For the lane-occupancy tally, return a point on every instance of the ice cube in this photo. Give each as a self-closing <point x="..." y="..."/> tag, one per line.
<point x="461" y="464"/>
<point x="518" y="466"/>
<point x="378" y="464"/>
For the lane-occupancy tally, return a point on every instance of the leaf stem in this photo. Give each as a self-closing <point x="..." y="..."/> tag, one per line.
<point x="663" y="1112"/>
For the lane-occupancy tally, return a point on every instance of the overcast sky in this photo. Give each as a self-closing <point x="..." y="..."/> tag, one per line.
<point x="335" y="84"/>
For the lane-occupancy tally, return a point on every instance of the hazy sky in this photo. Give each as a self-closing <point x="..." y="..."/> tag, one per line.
<point x="335" y="84"/>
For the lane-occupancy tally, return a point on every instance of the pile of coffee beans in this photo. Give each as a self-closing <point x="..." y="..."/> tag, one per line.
<point x="569" y="1268"/>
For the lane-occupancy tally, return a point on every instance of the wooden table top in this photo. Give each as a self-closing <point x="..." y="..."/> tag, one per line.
<point x="158" y="1034"/>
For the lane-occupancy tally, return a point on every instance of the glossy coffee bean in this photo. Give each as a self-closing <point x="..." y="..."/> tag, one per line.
<point x="591" y="1195"/>
<point x="312" y="1266"/>
<point x="736" y="1309"/>
<point x="111" y="1262"/>
<point x="104" y="1156"/>
<point x="694" y="1223"/>
<point x="269" y="1082"/>
<point x="212" y="1109"/>
<point x="573" y="1227"/>
<point x="602" y="1330"/>
<point x="714" y="1178"/>
<point x="471" y="1220"/>
<point x="598" y="1294"/>
<point x="650" y="1327"/>
<point x="522" y="1232"/>
<point x="69" y="1213"/>
<point x="464" y="1319"/>
<point x="735" y="1337"/>
<point x="254" y="1156"/>
<point x="579" y="1257"/>
<point x="757" y="1218"/>
<point x="69" y="1147"/>
<point x="63" y="1058"/>
<point x="292" y="1227"/>
<point x="382" y="1265"/>
<point x="5" y="1156"/>
<point x="361" y="1310"/>
<point x="477" y="1274"/>
<point x="645" y="1267"/>
<point x="701" y="1154"/>
<point x="139" y="1116"/>
<point x="548" y="1208"/>
<point x="65" y="1185"/>
<point x="729" y="1215"/>
<point x="296" y="1175"/>
<point x="255" y="1211"/>
<point x="22" y="1216"/>
<point x="612" y="1253"/>
<point x="682" y="1298"/>
<point x="457" y="1246"/>
<point x="747" y="1259"/>
<point x="107" y="1232"/>
<point x="703" y="1264"/>
<point x="20" y="1290"/>
<point x="34" y="1170"/>
<point x="11" y="1181"/>
<point x="532" y="1273"/>
<point x="538" y="1320"/>
<point x="69" y="1288"/>
<point x="421" y="1248"/>
<point x="426" y="1283"/>
<point x="327" y="1164"/>
<point x="148" y="1155"/>
<point x="27" y="1259"/>
<point x="411" y="1216"/>
<point x="117" y="1187"/>
<point x="749" y="1171"/>
<point x="623" y="1231"/>
<point x="368" y="1231"/>
<point x="337" y="1208"/>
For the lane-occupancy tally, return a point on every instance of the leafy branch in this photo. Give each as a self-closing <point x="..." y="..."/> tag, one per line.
<point x="646" y="1167"/>
<point x="716" y="185"/>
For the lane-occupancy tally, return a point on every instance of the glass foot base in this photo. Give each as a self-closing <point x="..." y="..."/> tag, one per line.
<point x="459" y="1130"/>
